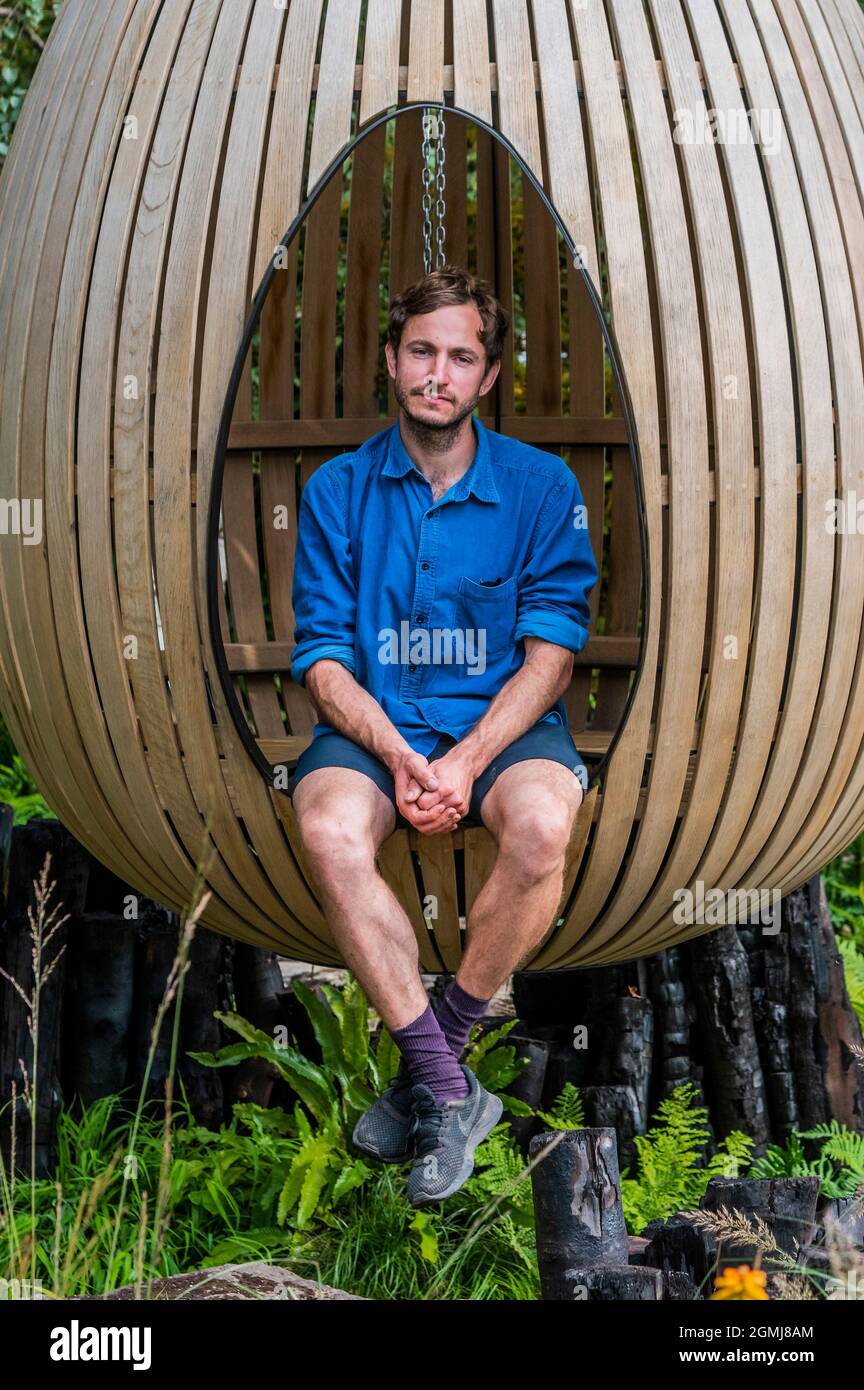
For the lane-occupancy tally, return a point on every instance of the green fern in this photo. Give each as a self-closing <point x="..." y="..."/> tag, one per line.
<point x="672" y="1176"/>
<point x="498" y="1167"/>
<point x="568" y="1111"/>
<point x="841" y="1147"/>
<point x="844" y="1145"/>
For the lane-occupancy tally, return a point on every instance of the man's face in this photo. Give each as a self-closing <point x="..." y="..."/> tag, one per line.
<point x="440" y="372"/>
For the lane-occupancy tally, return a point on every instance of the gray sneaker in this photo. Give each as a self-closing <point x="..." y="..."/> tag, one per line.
<point x="445" y="1137"/>
<point x="384" y="1130"/>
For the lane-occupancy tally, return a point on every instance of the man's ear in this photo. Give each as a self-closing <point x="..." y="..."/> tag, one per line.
<point x="489" y="379"/>
<point x="391" y="359"/>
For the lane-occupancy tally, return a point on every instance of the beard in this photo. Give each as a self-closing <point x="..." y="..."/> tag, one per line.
<point x="435" y="436"/>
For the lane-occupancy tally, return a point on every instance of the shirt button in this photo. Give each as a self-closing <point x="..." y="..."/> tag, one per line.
<point x="424" y="564"/>
<point x="421" y="618"/>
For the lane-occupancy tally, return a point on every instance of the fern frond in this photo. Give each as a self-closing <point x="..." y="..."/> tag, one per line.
<point x="568" y="1111"/>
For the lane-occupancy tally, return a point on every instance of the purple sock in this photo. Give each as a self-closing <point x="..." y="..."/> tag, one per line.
<point x="457" y="1014"/>
<point x="428" y="1057"/>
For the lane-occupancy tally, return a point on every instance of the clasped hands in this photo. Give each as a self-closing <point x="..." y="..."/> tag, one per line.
<point x="434" y="796"/>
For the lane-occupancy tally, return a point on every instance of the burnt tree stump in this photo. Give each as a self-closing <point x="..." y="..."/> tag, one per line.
<point x="577" y="1205"/>
<point x="631" y="1284"/>
<point x="528" y="1085"/>
<point x="786" y="1205"/>
<point x="720" y="982"/>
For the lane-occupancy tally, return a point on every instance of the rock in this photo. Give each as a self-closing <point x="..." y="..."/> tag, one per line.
<point x="231" y="1283"/>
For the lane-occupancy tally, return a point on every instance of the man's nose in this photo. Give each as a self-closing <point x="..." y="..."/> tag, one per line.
<point x="440" y="371"/>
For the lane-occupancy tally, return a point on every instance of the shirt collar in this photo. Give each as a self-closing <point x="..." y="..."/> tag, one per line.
<point x="478" y="478"/>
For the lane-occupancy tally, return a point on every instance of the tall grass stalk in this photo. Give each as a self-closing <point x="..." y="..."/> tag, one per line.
<point x="42" y="930"/>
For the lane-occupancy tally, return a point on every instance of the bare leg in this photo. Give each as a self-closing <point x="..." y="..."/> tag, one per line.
<point x="344" y="818"/>
<point x="530" y="810"/>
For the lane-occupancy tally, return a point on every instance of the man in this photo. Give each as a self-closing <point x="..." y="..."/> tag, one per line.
<point x="440" y="589"/>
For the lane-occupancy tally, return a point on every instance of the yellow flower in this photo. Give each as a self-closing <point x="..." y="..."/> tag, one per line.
<point x="740" y="1282"/>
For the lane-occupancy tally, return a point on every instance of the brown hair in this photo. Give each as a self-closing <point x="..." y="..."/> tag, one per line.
<point x="450" y="284"/>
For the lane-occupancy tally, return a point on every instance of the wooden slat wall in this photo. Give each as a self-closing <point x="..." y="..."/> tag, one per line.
<point x="46" y="735"/>
<point x="220" y="138"/>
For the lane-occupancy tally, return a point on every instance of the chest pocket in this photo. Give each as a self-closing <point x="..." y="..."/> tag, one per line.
<point x="490" y="608"/>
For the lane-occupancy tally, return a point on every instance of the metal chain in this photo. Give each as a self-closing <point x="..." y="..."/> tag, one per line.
<point x="430" y="116"/>
<point x="440" y="184"/>
<point x="427" y="197"/>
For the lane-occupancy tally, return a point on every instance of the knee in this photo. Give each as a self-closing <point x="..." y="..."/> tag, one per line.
<point x="535" y="838"/>
<point x="338" y="847"/>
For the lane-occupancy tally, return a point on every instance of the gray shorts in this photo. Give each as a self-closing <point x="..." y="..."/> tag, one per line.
<point x="550" y="741"/>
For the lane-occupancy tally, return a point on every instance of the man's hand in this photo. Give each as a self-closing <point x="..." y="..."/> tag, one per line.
<point x="414" y="778"/>
<point x="457" y="770"/>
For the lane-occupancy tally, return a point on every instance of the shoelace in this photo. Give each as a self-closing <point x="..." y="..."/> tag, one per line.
<point x="428" y="1118"/>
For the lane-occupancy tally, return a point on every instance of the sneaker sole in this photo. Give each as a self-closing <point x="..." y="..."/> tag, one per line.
<point x="484" y="1128"/>
<point x="381" y="1158"/>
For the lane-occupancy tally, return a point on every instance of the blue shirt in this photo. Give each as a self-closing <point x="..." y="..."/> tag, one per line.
<point x="426" y="602"/>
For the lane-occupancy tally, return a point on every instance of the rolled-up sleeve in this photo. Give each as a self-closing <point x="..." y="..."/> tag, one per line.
<point x="559" y="573"/>
<point x="324" y="592"/>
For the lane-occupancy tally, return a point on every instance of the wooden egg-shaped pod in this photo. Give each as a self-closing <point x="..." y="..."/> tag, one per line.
<point x="669" y="197"/>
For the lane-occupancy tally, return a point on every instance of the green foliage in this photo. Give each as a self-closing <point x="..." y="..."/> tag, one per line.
<point x="218" y="1184"/>
<point x="335" y="1094"/>
<point x="278" y="1185"/>
<point x="496" y="1067"/>
<point x="853" y="965"/>
<point x="470" y="1247"/>
<point x="339" y="1090"/>
<point x="844" y="891"/>
<point x="839" y="1167"/>
<point x="287" y="1187"/>
<point x="23" y="32"/>
<point x="18" y="790"/>
<point x="672" y="1175"/>
<point x="568" y="1111"/>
